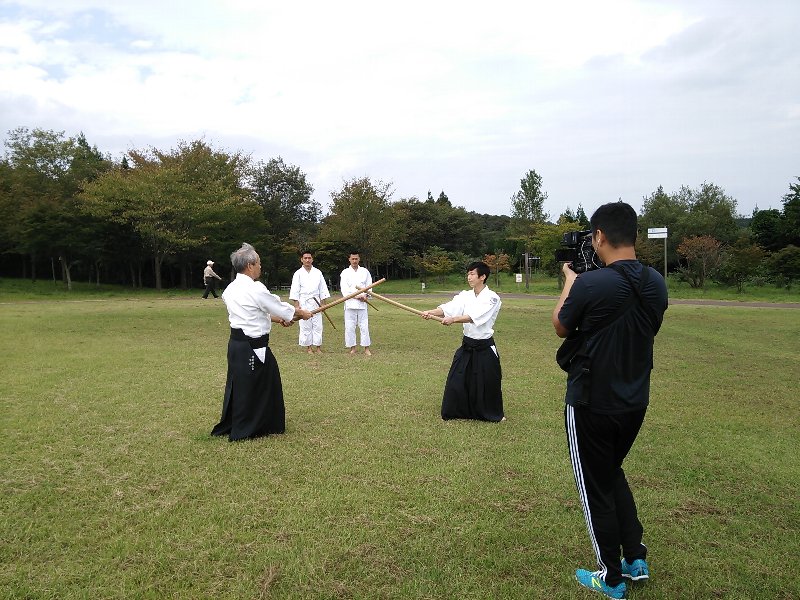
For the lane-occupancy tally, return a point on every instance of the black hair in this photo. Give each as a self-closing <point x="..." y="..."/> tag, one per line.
<point x="302" y="252"/>
<point x="481" y="267"/>
<point x="354" y="252"/>
<point x="617" y="220"/>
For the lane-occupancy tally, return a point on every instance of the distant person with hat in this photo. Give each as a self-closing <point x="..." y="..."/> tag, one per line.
<point x="210" y="280"/>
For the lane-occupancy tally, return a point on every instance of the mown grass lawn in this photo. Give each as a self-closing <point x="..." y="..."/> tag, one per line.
<point x="112" y="487"/>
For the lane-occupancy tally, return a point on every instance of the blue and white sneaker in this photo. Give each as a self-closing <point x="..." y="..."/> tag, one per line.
<point x="593" y="582"/>
<point x="636" y="571"/>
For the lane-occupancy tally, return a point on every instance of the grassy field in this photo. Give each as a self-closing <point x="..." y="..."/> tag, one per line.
<point x="112" y="487"/>
<point x="540" y="285"/>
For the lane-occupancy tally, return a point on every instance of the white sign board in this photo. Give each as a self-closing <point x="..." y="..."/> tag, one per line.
<point x="655" y="233"/>
<point x="519" y="277"/>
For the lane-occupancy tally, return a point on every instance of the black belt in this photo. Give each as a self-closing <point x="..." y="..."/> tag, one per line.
<point x="259" y="342"/>
<point x="471" y="344"/>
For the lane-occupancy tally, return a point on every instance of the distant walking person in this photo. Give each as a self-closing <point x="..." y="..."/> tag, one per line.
<point x="355" y="310"/>
<point x="472" y="389"/>
<point x="253" y="404"/>
<point x="309" y="288"/>
<point x="613" y="315"/>
<point x="210" y="280"/>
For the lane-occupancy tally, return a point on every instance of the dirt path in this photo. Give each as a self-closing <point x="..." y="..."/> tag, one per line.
<point x="698" y="302"/>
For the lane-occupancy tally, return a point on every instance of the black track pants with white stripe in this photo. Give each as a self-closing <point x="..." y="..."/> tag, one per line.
<point x="597" y="446"/>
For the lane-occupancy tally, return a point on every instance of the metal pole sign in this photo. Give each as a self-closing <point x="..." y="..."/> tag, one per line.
<point x="656" y="233"/>
<point x="527" y="272"/>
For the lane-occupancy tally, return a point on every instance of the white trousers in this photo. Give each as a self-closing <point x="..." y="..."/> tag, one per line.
<point x="311" y="330"/>
<point x="353" y="317"/>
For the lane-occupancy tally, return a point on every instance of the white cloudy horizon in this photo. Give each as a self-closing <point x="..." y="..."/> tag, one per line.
<point x="604" y="100"/>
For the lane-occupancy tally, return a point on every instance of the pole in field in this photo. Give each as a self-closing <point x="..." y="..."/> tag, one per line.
<point x="657" y="233"/>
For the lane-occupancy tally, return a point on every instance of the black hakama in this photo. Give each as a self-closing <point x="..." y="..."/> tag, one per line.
<point x="473" y="387"/>
<point x="253" y="404"/>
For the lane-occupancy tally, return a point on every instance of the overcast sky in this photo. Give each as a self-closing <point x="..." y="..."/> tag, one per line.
<point x="605" y="100"/>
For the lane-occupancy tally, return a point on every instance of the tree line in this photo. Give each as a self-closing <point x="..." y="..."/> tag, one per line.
<point x="153" y="218"/>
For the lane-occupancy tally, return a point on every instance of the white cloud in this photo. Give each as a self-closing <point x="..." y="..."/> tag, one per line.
<point x="603" y="99"/>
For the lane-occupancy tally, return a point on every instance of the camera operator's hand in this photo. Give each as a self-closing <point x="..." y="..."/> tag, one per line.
<point x="569" y="274"/>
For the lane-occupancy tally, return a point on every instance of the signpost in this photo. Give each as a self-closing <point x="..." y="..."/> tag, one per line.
<point x="656" y="233"/>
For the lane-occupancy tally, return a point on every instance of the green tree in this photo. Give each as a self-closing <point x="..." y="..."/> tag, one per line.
<point x="361" y="218"/>
<point x="177" y="202"/>
<point x="650" y="252"/>
<point x="785" y="263"/>
<point x="291" y="215"/>
<point x="435" y="261"/>
<point x="664" y="210"/>
<point x="527" y="211"/>
<point x="791" y="214"/>
<point x="768" y="229"/>
<point x="578" y="218"/>
<point x="567" y="216"/>
<point x="711" y="212"/>
<point x="527" y="204"/>
<point x="741" y="261"/>
<point x="432" y="223"/>
<point x="581" y="218"/>
<point x="498" y="262"/>
<point x="420" y="224"/>
<point x="546" y="239"/>
<point x="495" y="232"/>
<point x="705" y="211"/>
<point x="44" y="173"/>
<point x="702" y="255"/>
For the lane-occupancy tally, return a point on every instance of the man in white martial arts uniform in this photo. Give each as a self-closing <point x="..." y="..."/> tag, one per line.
<point x="355" y="310"/>
<point x="253" y="404"/>
<point x="308" y="288"/>
<point x="473" y="388"/>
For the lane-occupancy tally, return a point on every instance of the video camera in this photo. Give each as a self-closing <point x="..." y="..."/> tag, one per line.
<point x="577" y="249"/>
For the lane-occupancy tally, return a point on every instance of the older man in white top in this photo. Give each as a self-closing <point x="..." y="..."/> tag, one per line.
<point x="253" y="404"/>
<point x="473" y="388"/>
<point x="309" y="291"/>
<point x="355" y="310"/>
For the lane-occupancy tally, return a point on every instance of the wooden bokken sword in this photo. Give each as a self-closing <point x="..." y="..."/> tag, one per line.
<point x="327" y="316"/>
<point x="403" y="306"/>
<point x="348" y="297"/>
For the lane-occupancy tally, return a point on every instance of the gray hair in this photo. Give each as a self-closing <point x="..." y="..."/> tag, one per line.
<point x="246" y="255"/>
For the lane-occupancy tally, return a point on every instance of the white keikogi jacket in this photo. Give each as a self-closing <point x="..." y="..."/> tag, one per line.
<point x="350" y="280"/>
<point x="482" y="309"/>
<point x="307" y="285"/>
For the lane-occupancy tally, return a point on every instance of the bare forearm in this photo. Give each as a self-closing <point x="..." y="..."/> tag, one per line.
<point x="569" y="280"/>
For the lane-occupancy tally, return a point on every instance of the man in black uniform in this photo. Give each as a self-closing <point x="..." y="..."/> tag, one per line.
<point x="617" y="310"/>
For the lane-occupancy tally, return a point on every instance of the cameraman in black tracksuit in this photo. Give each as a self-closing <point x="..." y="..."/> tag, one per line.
<point x="608" y="391"/>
